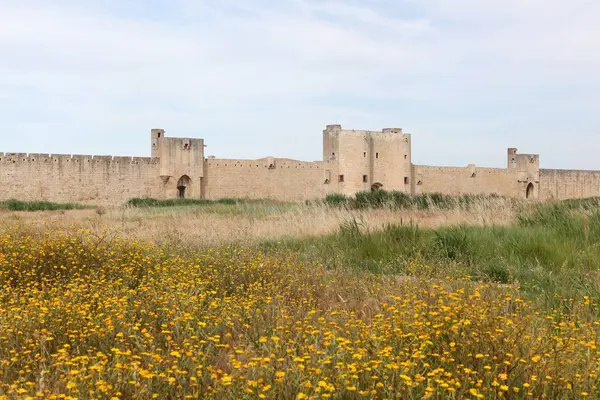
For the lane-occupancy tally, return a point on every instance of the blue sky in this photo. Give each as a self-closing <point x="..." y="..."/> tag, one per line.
<point x="468" y="78"/>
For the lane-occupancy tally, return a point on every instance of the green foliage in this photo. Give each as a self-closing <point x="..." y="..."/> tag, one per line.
<point x="397" y="200"/>
<point x="336" y="200"/>
<point x="553" y="250"/>
<point x="150" y="202"/>
<point x="18" y="205"/>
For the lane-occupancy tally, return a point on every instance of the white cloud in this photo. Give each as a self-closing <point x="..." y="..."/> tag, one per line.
<point x="264" y="78"/>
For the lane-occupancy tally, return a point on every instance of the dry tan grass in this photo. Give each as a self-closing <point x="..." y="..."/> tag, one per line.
<point x="213" y="225"/>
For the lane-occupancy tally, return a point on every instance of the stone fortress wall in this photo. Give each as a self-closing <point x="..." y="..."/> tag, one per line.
<point x="275" y="178"/>
<point x="353" y="160"/>
<point x="569" y="184"/>
<point x="77" y="178"/>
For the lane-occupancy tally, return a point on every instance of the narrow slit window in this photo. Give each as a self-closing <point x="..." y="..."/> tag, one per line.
<point x="365" y="178"/>
<point x="376" y="155"/>
<point x="341" y="178"/>
<point x="406" y="180"/>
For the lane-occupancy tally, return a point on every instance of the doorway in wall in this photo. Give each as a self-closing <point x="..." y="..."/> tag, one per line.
<point x="183" y="187"/>
<point x="529" y="191"/>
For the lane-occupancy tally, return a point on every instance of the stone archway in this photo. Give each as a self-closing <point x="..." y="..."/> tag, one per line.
<point x="376" y="186"/>
<point x="529" y="192"/>
<point x="184" y="185"/>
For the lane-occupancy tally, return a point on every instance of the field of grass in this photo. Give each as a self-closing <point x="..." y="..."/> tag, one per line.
<point x="377" y="304"/>
<point x="548" y="250"/>
<point x="251" y="222"/>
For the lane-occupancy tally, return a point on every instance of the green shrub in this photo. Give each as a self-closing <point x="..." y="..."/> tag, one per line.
<point x="400" y="200"/>
<point x="421" y="202"/>
<point x="336" y="200"/>
<point x="442" y="201"/>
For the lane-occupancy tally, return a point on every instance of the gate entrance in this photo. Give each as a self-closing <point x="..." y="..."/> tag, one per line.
<point x="183" y="186"/>
<point x="529" y="191"/>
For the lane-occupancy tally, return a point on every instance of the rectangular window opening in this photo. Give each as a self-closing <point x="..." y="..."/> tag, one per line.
<point x="365" y="178"/>
<point x="406" y="180"/>
<point x="376" y="155"/>
<point x="341" y="178"/>
<point x="365" y="154"/>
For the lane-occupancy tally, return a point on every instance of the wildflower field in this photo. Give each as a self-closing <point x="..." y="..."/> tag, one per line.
<point x="86" y="316"/>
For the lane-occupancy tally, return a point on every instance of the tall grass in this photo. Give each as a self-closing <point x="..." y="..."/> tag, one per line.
<point x="18" y="205"/>
<point x="397" y="200"/>
<point x="552" y="249"/>
<point x="148" y="202"/>
<point x="151" y="202"/>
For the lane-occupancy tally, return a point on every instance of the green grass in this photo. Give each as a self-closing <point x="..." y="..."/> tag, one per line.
<point x="402" y="200"/>
<point x="18" y="205"/>
<point x="226" y="207"/>
<point x="553" y="249"/>
<point x="151" y="202"/>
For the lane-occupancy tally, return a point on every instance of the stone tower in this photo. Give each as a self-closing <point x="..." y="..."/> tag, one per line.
<point x="181" y="164"/>
<point x="156" y="136"/>
<point x="364" y="160"/>
<point x="527" y="169"/>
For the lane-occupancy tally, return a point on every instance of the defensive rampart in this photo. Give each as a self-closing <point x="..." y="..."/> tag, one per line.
<point x="563" y="184"/>
<point x="461" y="180"/>
<point x="77" y="178"/>
<point x="353" y="160"/>
<point x="268" y="178"/>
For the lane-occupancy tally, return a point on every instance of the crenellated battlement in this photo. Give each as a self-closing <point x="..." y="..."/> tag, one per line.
<point x="353" y="160"/>
<point x="73" y="158"/>
<point x="337" y="130"/>
<point x="266" y="163"/>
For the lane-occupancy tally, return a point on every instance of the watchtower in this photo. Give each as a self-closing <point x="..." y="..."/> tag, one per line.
<point x="368" y="160"/>
<point x="157" y="136"/>
<point x="527" y="168"/>
<point x="181" y="164"/>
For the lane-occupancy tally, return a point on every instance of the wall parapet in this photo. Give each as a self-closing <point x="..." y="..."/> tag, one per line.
<point x="269" y="163"/>
<point x="568" y="171"/>
<point x="468" y="168"/>
<point x="46" y="157"/>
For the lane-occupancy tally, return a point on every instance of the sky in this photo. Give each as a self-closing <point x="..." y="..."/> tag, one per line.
<point x="257" y="78"/>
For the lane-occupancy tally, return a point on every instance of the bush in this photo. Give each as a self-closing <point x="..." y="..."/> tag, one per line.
<point x="400" y="200"/>
<point x="336" y="200"/>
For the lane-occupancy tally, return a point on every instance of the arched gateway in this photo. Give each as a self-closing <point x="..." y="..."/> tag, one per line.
<point x="184" y="187"/>
<point x="529" y="191"/>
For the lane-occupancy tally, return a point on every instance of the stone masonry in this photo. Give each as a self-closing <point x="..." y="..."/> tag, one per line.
<point x="353" y="160"/>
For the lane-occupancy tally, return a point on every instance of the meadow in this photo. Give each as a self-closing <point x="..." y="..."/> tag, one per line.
<point x="341" y="299"/>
